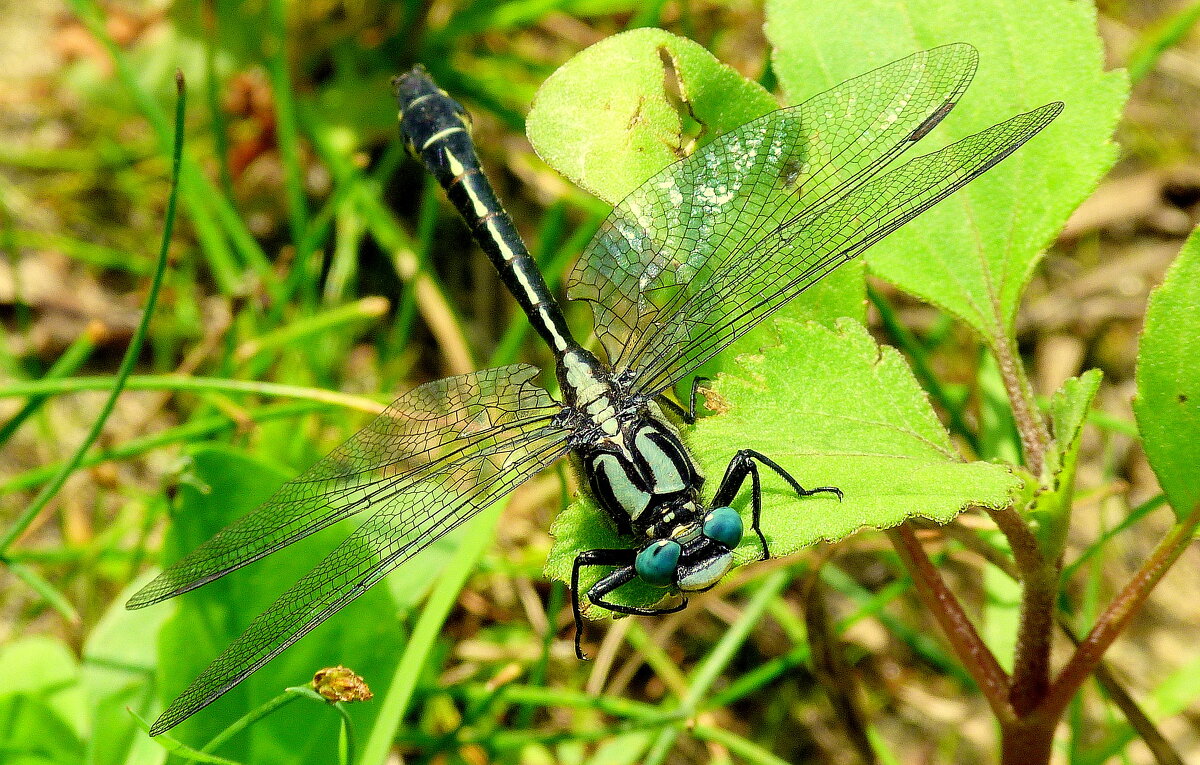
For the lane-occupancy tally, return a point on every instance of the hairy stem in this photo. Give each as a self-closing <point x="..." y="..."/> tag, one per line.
<point x="1162" y="750"/>
<point x="1034" y="436"/>
<point x="1039" y="581"/>
<point x="936" y="596"/>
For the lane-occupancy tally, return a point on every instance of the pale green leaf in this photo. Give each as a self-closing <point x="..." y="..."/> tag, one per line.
<point x="619" y="111"/>
<point x="974" y="253"/>
<point x="1168" y="380"/>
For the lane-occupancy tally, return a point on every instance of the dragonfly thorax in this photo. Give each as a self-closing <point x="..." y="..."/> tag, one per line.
<point x="644" y="478"/>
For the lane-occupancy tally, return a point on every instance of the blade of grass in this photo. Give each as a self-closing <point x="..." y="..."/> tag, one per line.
<point x="51" y="594"/>
<point x="747" y="750"/>
<point x="383" y="226"/>
<point x="181" y="383"/>
<point x="337" y="318"/>
<point x="916" y="353"/>
<point x="207" y="207"/>
<point x="49" y="491"/>
<point x="1132" y="518"/>
<point x="718" y="658"/>
<point x="192" y="431"/>
<point x="85" y="252"/>
<point x="66" y="364"/>
<point x="1159" y="38"/>
<point x="287" y="131"/>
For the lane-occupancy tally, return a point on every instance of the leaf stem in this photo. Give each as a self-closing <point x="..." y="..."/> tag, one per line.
<point x="1034" y="436"/>
<point x="1116" y="617"/>
<point x="937" y="597"/>
<point x="1164" y="753"/>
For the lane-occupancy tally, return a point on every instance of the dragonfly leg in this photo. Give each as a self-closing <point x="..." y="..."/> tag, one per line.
<point x="687" y="415"/>
<point x="624" y="574"/>
<point x="622" y="558"/>
<point x="743" y="464"/>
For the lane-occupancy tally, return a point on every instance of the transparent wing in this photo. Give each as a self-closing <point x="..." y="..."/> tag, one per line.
<point x="671" y="237"/>
<point x="803" y="250"/>
<point x="404" y="521"/>
<point x="426" y="429"/>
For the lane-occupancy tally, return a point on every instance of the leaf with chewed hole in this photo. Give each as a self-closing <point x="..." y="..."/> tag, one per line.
<point x="833" y="409"/>
<point x="659" y="97"/>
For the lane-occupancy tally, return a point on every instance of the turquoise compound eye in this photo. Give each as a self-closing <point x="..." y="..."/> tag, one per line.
<point x="656" y="564"/>
<point x="724" y="525"/>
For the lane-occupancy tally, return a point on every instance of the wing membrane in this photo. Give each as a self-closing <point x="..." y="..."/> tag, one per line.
<point x="425" y="430"/>
<point x="404" y="522"/>
<point x="801" y="251"/>
<point x="671" y="236"/>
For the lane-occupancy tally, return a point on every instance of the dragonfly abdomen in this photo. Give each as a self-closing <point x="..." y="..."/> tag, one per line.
<point x="437" y="130"/>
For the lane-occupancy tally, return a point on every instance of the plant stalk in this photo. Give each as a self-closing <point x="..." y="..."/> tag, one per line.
<point x="937" y="597"/>
<point x="1117" y="616"/>
<point x="1035" y="438"/>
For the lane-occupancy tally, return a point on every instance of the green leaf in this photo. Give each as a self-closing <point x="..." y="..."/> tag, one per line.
<point x="223" y="485"/>
<point x="612" y="116"/>
<point x="41" y="707"/>
<point x="118" y="657"/>
<point x="46" y="668"/>
<point x="35" y="734"/>
<point x="834" y="409"/>
<point x="1167" y="406"/>
<point x="610" y="134"/>
<point x="1049" y="512"/>
<point x="974" y="253"/>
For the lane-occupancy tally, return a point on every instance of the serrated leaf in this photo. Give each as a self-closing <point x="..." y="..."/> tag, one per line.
<point x="834" y="409"/>
<point x="974" y="253"/>
<point x="1167" y="406"/>
<point x="1068" y="410"/>
<point x="1050" y="510"/>
<point x="609" y="118"/>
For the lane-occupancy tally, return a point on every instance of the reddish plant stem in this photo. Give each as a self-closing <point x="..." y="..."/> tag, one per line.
<point x="1031" y="663"/>
<point x="1034" y="437"/>
<point x="1162" y="750"/>
<point x="936" y="596"/>
<point x="1027" y="741"/>
<point x="1026" y="553"/>
<point x="1039" y="582"/>
<point x="1118" y="614"/>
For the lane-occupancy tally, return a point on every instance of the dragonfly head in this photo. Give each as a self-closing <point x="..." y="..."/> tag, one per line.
<point x="693" y="560"/>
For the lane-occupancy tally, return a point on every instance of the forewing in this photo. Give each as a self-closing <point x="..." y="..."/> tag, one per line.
<point x="799" y="253"/>
<point x="669" y="238"/>
<point x="404" y="521"/>
<point x="426" y="429"/>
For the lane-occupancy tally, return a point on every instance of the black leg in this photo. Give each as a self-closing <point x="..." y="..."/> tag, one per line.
<point x="687" y="415"/>
<point x="624" y="574"/>
<point x="622" y="558"/>
<point x="605" y="586"/>
<point x="743" y="464"/>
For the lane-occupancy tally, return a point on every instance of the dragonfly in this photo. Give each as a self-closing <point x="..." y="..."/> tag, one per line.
<point x="685" y="265"/>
